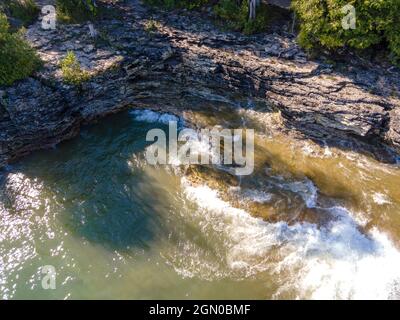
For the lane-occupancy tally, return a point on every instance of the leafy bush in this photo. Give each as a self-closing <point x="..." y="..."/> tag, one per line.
<point x="17" y="59"/>
<point x="71" y="70"/>
<point x="24" y="10"/>
<point x="237" y="16"/>
<point x="377" y="22"/>
<point x="151" y="26"/>
<point x="169" y="4"/>
<point x="76" y="10"/>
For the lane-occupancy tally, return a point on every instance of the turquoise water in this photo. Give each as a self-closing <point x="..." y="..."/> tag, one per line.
<point x="109" y="226"/>
<point x="115" y="227"/>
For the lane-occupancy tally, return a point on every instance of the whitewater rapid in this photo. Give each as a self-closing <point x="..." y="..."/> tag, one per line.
<point x="334" y="261"/>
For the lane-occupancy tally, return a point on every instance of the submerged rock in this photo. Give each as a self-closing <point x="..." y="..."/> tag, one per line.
<point x="290" y="207"/>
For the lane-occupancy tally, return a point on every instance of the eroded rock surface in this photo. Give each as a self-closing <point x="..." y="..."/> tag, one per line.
<point x="178" y="62"/>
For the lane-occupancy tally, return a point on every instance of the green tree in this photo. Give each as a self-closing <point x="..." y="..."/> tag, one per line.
<point x="377" y="22"/>
<point x="71" y="70"/>
<point x="237" y="15"/>
<point x="76" y="10"/>
<point x="17" y="59"/>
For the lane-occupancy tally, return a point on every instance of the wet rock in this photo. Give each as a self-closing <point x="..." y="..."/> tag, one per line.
<point x="216" y="179"/>
<point x="291" y="209"/>
<point x="169" y="53"/>
<point x="88" y="49"/>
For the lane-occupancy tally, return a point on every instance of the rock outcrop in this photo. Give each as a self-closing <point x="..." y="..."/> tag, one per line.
<point x="168" y="61"/>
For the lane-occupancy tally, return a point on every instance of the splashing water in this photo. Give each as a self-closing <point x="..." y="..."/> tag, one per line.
<point x="94" y="210"/>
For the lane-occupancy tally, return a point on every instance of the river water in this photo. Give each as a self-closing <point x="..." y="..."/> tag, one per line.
<point x="113" y="226"/>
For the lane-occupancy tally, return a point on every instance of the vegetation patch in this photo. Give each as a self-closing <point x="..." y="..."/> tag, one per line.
<point x="79" y="11"/>
<point x="186" y="4"/>
<point x="151" y="26"/>
<point x="72" y="72"/>
<point x="236" y="16"/>
<point x="377" y="23"/>
<point x="24" y="10"/>
<point x="76" y="11"/>
<point x="17" y="59"/>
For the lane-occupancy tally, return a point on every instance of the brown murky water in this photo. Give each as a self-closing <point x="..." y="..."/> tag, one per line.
<point x="114" y="226"/>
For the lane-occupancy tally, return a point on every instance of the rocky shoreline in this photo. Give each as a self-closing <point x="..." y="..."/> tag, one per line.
<point x="174" y="62"/>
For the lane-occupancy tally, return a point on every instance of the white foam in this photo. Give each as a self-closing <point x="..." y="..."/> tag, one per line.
<point x="254" y="195"/>
<point x="336" y="261"/>
<point x="166" y="118"/>
<point x="380" y="198"/>
<point x="152" y="116"/>
<point x="200" y="146"/>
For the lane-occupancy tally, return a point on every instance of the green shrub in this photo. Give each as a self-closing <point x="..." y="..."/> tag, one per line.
<point x="170" y="4"/>
<point x="236" y="16"/>
<point x="377" y="22"/>
<point x="72" y="11"/>
<point x="392" y="33"/>
<point x="151" y="26"/>
<point x="25" y="10"/>
<point x="72" y="72"/>
<point x="17" y="59"/>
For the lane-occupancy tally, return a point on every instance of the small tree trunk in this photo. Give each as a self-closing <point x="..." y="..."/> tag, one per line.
<point x="252" y="8"/>
<point x="294" y="21"/>
<point x="92" y="30"/>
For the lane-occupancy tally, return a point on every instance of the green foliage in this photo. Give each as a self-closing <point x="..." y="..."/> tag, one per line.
<point x="3" y="25"/>
<point x="24" y="10"/>
<point x="230" y="11"/>
<point x="170" y="4"/>
<point x="237" y="16"/>
<point x="76" y="10"/>
<point x="392" y="33"/>
<point x="71" y="70"/>
<point x="17" y="59"/>
<point x="151" y="26"/>
<point x="377" y="22"/>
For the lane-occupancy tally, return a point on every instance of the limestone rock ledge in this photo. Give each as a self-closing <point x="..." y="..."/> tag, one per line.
<point x="183" y="60"/>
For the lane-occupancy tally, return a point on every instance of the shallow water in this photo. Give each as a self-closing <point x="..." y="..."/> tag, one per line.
<point x="115" y="227"/>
